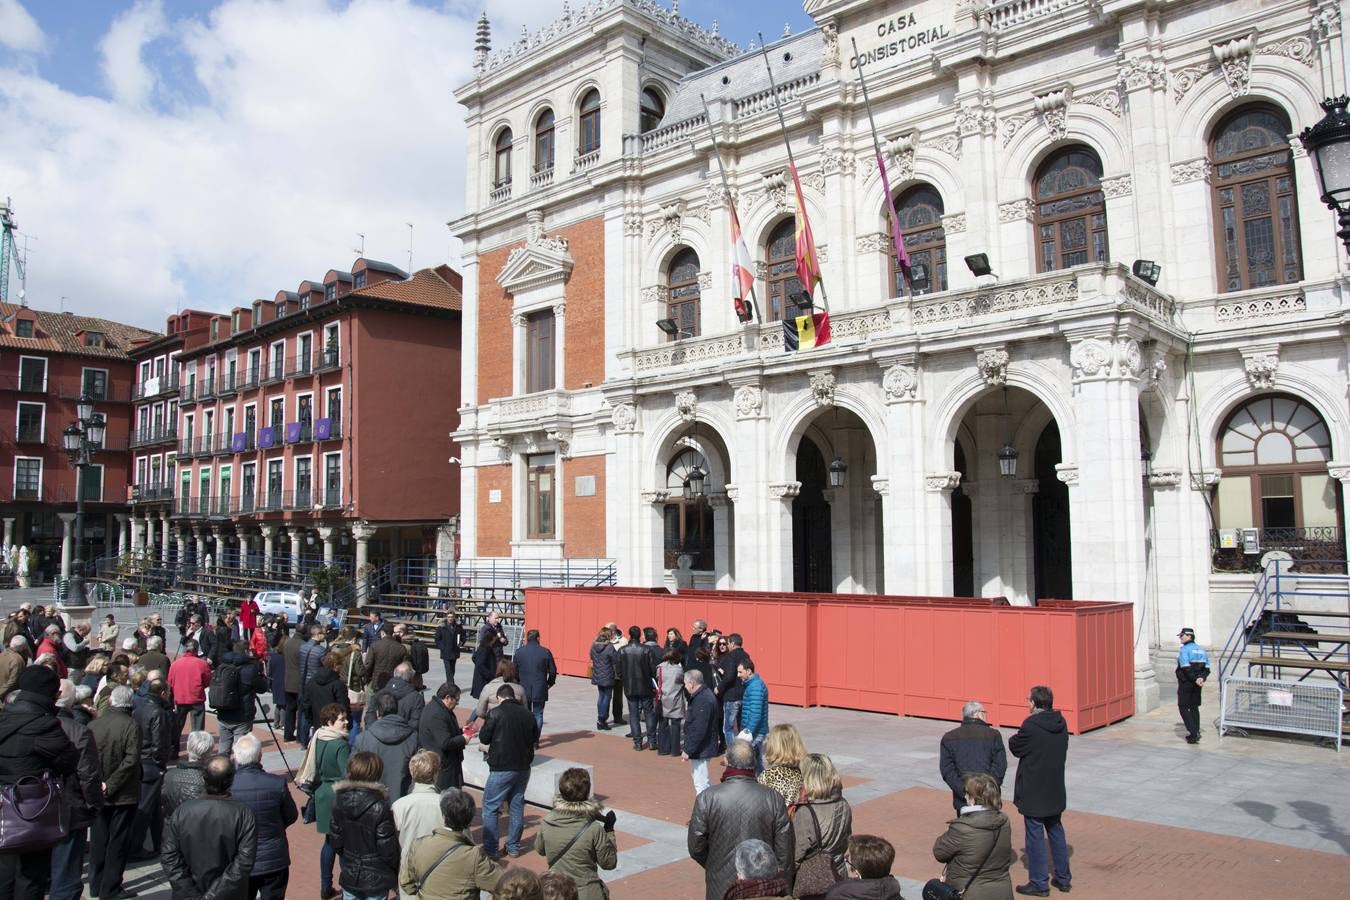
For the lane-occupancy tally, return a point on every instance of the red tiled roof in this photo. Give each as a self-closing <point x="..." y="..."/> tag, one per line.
<point x="57" y="332"/>
<point x="427" y="287"/>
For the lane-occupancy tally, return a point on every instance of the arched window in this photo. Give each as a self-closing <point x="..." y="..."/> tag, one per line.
<point x="651" y="109"/>
<point x="501" y="167"/>
<point x="1070" y="210"/>
<point x="782" y="261"/>
<point x="688" y="522"/>
<point x="543" y="142"/>
<point x="590" y="123"/>
<point x="684" y="294"/>
<point x="1273" y="452"/>
<point x="919" y="210"/>
<point x="1255" y="210"/>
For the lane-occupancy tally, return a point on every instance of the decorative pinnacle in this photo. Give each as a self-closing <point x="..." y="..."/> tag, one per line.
<point x="482" y="44"/>
<point x="787" y="29"/>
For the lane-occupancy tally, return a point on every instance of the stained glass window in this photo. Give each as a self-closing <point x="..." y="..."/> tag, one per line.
<point x="1256" y="210"/>
<point x="1070" y="210"/>
<point x="919" y="211"/>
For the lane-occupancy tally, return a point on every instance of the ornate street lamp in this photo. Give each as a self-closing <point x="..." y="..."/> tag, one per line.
<point x="1328" y="143"/>
<point x="694" y="482"/>
<point x="838" y="469"/>
<point x="1007" y="461"/>
<point x="81" y="439"/>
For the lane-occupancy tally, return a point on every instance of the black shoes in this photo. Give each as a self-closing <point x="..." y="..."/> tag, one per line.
<point x="603" y="726"/>
<point x="1192" y="739"/>
<point x="1062" y="888"/>
<point x="1031" y="890"/>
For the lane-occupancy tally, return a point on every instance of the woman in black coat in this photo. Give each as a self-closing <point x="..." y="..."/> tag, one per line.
<point x="276" y="671"/>
<point x="326" y="687"/>
<point x="362" y="830"/>
<point x="484" y="662"/>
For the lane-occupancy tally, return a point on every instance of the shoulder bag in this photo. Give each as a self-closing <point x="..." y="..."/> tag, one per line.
<point x="355" y="699"/>
<point x="553" y="861"/>
<point x="816" y="875"/>
<point x="310" y="813"/>
<point x="937" y="889"/>
<point x="422" y="881"/>
<point x="32" y="816"/>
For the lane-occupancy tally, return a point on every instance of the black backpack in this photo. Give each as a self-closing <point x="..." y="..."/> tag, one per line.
<point x="223" y="692"/>
<point x="419" y="657"/>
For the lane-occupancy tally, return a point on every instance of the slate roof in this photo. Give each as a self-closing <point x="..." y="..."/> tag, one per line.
<point x="427" y="287"/>
<point x="58" y="332"/>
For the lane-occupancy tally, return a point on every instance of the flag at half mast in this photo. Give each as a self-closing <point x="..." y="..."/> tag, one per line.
<point x="742" y="268"/>
<point x="811" y="329"/>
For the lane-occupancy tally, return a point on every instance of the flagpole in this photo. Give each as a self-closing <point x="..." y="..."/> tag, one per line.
<point x="721" y="169"/>
<point x="876" y="143"/>
<point x="782" y="124"/>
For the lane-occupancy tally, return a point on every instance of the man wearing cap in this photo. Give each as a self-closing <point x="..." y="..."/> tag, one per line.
<point x="1192" y="670"/>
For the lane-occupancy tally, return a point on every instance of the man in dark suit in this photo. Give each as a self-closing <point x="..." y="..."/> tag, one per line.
<point x="537" y="673"/>
<point x="1042" y="745"/>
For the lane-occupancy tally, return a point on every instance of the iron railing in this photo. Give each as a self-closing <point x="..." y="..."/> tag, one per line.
<point x="154" y="435"/>
<point x="1320" y="548"/>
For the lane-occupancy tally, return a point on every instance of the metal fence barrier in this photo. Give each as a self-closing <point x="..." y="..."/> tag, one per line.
<point x="1295" y="707"/>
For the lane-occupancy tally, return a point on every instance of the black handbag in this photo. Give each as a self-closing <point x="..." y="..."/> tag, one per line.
<point x="816" y="875"/>
<point x="937" y="889"/>
<point x="32" y="816"/>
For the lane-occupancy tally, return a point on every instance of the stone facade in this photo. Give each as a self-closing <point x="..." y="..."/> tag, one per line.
<point x="914" y="396"/>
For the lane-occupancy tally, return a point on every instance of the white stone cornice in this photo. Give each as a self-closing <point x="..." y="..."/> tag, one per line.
<point x="1192" y="170"/>
<point x="1204" y="479"/>
<point x="686" y="403"/>
<point x="1165" y="477"/>
<point x="941" y="482"/>
<point x="881" y="484"/>
<point x="1027" y="486"/>
<point x="1261" y="362"/>
<point x="992" y="363"/>
<point x="656" y="498"/>
<point x="784" y="490"/>
<point x="1067" y="473"/>
<point x="1339" y="471"/>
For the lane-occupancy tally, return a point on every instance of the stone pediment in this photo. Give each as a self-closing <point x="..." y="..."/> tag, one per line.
<point x="539" y="263"/>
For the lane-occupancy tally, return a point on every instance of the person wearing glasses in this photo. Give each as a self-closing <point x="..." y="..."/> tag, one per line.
<point x="868" y="863"/>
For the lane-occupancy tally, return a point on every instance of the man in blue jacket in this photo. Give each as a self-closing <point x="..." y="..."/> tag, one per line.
<point x="754" y="709"/>
<point x="702" y="729"/>
<point x="273" y="811"/>
<point x="537" y="673"/>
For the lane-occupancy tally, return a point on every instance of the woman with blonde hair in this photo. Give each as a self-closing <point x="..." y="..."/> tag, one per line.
<point x="822" y="826"/>
<point x="784" y="751"/>
<point x="977" y="846"/>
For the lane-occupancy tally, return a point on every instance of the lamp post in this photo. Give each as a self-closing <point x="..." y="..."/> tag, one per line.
<point x="81" y="439"/>
<point x="1328" y="143"/>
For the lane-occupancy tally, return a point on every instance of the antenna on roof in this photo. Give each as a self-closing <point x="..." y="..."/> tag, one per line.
<point x="410" y="246"/>
<point x="360" y="250"/>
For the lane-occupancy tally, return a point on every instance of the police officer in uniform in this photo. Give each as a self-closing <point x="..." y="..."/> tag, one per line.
<point x="1192" y="670"/>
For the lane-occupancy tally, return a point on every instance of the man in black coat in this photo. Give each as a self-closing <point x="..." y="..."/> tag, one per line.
<point x="1042" y="745"/>
<point x="537" y="672"/>
<point x="973" y="747"/>
<point x="401" y="686"/>
<point x="159" y="745"/>
<point x="83" y="791"/>
<point x="702" y="729"/>
<point x="510" y="734"/>
<point x="119" y="749"/>
<point x="325" y="687"/>
<point x="449" y="641"/>
<point x="730" y="689"/>
<point x="210" y="843"/>
<point x="32" y="743"/>
<point x="697" y="638"/>
<point x="273" y="810"/>
<point x="311" y="662"/>
<point x="639" y="687"/>
<point x="439" y="730"/>
<point x="238" y="720"/>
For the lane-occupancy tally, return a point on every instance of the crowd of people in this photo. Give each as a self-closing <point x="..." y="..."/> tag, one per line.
<point x="100" y="725"/>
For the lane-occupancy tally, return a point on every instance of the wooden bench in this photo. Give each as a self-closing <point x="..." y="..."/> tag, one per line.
<point x="1306" y="637"/>
<point x="1291" y="662"/>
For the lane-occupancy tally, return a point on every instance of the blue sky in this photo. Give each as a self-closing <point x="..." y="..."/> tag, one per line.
<point x="171" y="153"/>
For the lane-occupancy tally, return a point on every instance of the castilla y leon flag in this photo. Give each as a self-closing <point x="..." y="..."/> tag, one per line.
<point x="806" y="331"/>
<point x="742" y="268"/>
<point x="812" y="329"/>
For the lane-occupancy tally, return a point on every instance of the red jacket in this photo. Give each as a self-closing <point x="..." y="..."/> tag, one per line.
<point x="189" y="677"/>
<point x="52" y="647"/>
<point x="258" y="645"/>
<point x="248" y="613"/>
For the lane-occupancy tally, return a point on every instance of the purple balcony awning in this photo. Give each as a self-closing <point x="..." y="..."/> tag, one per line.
<point x="293" y="431"/>
<point x="239" y="442"/>
<point x="267" y="437"/>
<point x="323" y="429"/>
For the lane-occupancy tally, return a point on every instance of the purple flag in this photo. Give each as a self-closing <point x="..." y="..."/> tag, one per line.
<point x="323" y="429"/>
<point x="239" y="442"/>
<point x="267" y="437"/>
<point x="293" y="432"/>
<point x="900" y="254"/>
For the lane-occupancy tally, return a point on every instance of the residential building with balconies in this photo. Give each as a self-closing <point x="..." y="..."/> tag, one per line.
<point x="48" y="361"/>
<point x="312" y="424"/>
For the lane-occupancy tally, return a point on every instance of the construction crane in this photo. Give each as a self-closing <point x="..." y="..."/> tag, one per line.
<point x="9" y="254"/>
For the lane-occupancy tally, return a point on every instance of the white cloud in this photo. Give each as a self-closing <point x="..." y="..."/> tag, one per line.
<point x="18" y="29"/>
<point x="309" y="123"/>
<point x="129" y="78"/>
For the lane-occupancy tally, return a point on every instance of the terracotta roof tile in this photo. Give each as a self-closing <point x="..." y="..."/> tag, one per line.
<point x="59" y="332"/>
<point x="427" y="287"/>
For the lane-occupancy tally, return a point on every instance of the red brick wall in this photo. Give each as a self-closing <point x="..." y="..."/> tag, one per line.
<point x="584" y="517"/>
<point x="494" y="519"/>
<point x="584" y="321"/>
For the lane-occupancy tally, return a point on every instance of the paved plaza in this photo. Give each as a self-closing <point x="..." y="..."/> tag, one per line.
<point x="1148" y="815"/>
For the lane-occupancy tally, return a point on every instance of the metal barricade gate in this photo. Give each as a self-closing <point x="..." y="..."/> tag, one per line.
<point x="1294" y="707"/>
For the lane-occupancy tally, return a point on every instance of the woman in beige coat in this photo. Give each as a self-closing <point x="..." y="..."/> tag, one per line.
<point x="823" y="822"/>
<point x="577" y="816"/>
<point x="978" y="839"/>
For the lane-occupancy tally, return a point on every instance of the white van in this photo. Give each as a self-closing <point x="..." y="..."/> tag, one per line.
<point x="279" y="603"/>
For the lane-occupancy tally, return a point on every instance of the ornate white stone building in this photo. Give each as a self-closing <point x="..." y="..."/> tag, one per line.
<point x="1063" y="139"/>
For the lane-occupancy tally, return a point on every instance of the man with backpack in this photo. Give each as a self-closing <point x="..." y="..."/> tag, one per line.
<point x="235" y="684"/>
<point x="419" y="657"/>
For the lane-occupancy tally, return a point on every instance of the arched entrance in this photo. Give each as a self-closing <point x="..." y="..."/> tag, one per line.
<point x="695" y="526"/>
<point x="1010" y="517"/>
<point x="836" y="515"/>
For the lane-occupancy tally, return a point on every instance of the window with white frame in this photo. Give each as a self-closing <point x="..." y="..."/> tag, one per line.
<point x="91" y="483"/>
<point x="541" y="493"/>
<point x="32" y="373"/>
<point x="27" y="478"/>
<point x="94" y="383"/>
<point x="332" y="480"/>
<point x="29" y="421"/>
<point x="278" y="359"/>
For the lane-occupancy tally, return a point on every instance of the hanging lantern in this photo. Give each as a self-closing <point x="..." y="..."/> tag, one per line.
<point x="838" y="469"/>
<point x="694" y="483"/>
<point x="1007" y="461"/>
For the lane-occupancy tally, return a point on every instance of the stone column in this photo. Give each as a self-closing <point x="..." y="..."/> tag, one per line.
<point x="124" y="540"/>
<point x="779" y="534"/>
<point x="912" y="562"/>
<point x="164" y="532"/>
<point x="201" y="547"/>
<point x="1106" y="485"/>
<point x="328" y="534"/>
<point x="297" y="547"/>
<point x="9" y="531"/>
<point x="218" y="532"/>
<point x="135" y="534"/>
<point x="67" y="534"/>
<point x="362" y="532"/>
<point x="121" y="519"/>
<point x="182" y="546"/>
<point x="722" y="546"/>
<point x="650" y="532"/>
<point x="269" y="536"/>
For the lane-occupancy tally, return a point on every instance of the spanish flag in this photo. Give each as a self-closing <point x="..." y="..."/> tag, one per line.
<point x="808" y="266"/>
<point x="806" y="331"/>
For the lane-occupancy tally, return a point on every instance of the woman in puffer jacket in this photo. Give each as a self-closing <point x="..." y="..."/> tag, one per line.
<point x="362" y="831"/>
<point x="977" y="846"/>
<point x="603" y="660"/>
